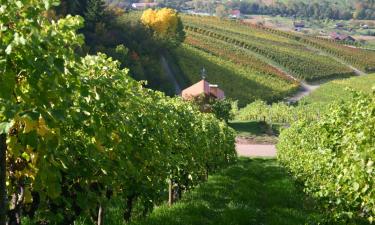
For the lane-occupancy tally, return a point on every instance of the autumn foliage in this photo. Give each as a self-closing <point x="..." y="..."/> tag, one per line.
<point x="165" y="23"/>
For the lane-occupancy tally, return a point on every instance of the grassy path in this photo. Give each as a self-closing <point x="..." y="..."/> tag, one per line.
<point x="254" y="191"/>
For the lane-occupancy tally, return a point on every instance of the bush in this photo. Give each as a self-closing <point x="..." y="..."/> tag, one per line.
<point x="334" y="158"/>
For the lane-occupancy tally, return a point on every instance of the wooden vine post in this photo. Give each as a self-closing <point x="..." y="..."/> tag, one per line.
<point x="206" y="173"/>
<point x="170" y="190"/>
<point x="3" y="194"/>
<point x="100" y="214"/>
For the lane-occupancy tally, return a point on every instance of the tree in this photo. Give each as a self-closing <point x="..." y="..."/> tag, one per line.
<point x="94" y="13"/>
<point x="166" y="24"/>
<point x="73" y="7"/>
<point x="223" y="109"/>
<point x="221" y="11"/>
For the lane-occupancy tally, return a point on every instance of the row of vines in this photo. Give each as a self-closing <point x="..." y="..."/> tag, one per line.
<point x="310" y="107"/>
<point x="235" y="54"/>
<point x="334" y="159"/>
<point x="302" y="62"/>
<point x="279" y="112"/>
<point x="78" y="133"/>
<point x="239" y="82"/>
<point x="361" y="58"/>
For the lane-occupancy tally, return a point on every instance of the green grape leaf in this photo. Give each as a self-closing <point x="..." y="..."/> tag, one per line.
<point x="5" y="127"/>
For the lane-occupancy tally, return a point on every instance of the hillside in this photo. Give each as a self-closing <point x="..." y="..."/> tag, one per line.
<point x="83" y="142"/>
<point x="339" y="90"/>
<point x="266" y="63"/>
<point x="311" y="107"/>
<point x="344" y="3"/>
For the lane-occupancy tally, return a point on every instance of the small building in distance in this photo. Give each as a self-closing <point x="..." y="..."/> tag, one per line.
<point x="235" y="14"/>
<point x="300" y="24"/>
<point x="342" y="37"/>
<point x="364" y="26"/>
<point x="144" y="5"/>
<point x="339" y="25"/>
<point x="203" y="88"/>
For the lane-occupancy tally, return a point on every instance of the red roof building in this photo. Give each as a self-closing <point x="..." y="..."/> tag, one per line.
<point x="235" y="13"/>
<point x="203" y="88"/>
<point x="341" y="37"/>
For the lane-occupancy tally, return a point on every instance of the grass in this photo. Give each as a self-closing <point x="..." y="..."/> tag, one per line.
<point x="255" y="132"/>
<point x="312" y="106"/>
<point x="253" y="191"/>
<point x="340" y="89"/>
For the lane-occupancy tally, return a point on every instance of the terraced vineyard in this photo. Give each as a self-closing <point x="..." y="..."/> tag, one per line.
<point x="253" y="62"/>
<point x="361" y="58"/>
<point x="298" y="58"/>
<point x="235" y="54"/>
<point x="240" y="82"/>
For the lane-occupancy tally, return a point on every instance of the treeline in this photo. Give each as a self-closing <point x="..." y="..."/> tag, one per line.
<point x="365" y="9"/>
<point x="314" y="10"/>
<point x="108" y="28"/>
<point x="361" y="9"/>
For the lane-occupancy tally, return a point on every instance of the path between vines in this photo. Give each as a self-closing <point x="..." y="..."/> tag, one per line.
<point x="254" y="191"/>
<point x="255" y="150"/>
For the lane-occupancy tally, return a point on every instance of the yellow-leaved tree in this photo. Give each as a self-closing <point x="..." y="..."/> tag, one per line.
<point x="165" y="23"/>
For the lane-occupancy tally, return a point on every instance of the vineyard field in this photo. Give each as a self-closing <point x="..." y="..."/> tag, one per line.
<point x="337" y="90"/>
<point x="239" y="82"/>
<point x="298" y="58"/>
<point x="311" y="107"/>
<point x="78" y="133"/>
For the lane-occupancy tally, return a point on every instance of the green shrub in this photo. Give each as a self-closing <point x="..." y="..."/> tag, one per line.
<point x="334" y="158"/>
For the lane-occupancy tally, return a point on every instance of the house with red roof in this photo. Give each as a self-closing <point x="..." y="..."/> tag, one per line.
<point x="203" y="88"/>
<point x="342" y="37"/>
<point x="235" y="14"/>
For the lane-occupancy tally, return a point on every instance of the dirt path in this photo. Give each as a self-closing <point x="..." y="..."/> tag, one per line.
<point x="170" y="75"/>
<point x="255" y="150"/>
<point x="306" y="89"/>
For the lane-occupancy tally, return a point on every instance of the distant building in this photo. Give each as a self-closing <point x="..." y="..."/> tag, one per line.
<point x="339" y="25"/>
<point x="235" y="14"/>
<point x="144" y="5"/>
<point x="299" y="24"/>
<point x="342" y="37"/>
<point x="203" y="88"/>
